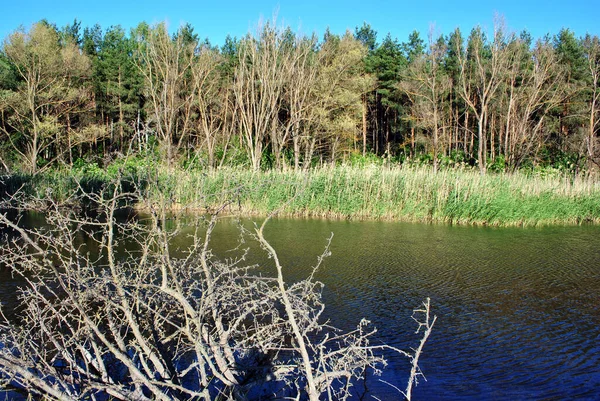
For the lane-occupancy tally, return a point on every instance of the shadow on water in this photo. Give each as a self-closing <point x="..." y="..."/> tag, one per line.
<point x="518" y="309"/>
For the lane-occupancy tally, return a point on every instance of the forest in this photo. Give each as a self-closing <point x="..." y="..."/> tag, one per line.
<point x="276" y="99"/>
<point x="111" y="137"/>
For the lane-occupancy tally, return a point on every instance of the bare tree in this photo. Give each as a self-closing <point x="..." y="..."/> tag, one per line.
<point x="258" y="88"/>
<point x="143" y="324"/>
<point x="166" y="65"/>
<point x="591" y="47"/>
<point x="211" y="101"/>
<point x="535" y="88"/>
<point x="425" y="85"/>
<point x="300" y="100"/>
<point x="481" y="69"/>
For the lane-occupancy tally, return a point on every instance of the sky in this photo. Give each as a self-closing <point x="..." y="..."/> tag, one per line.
<point x="216" y="19"/>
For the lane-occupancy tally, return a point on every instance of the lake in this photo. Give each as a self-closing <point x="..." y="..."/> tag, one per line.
<point x="518" y="309"/>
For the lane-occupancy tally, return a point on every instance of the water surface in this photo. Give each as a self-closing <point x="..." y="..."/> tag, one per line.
<point x="518" y="309"/>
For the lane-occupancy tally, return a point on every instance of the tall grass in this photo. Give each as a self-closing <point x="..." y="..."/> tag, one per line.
<point x="456" y="196"/>
<point x="397" y="193"/>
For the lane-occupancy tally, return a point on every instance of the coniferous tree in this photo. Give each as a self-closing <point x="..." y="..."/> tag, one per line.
<point x="386" y="64"/>
<point x="412" y="49"/>
<point x="118" y="87"/>
<point x="368" y="37"/>
<point x="571" y="114"/>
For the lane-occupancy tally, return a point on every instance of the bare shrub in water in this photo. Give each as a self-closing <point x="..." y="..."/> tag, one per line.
<point x="144" y="324"/>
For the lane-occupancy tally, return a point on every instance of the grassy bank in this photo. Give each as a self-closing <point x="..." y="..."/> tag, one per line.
<point x="410" y="194"/>
<point x="374" y="192"/>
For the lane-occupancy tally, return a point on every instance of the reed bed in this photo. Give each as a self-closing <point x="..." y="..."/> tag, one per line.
<point x="453" y="196"/>
<point x="407" y="193"/>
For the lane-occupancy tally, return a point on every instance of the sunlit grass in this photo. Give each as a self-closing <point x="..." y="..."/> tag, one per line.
<point x="397" y="193"/>
<point x="455" y="196"/>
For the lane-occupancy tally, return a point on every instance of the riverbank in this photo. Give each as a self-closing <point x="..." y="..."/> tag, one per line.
<point x="375" y="192"/>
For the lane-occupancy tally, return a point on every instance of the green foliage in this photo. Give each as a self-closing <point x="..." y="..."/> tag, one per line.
<point x="358" y="160"/>
<point x="8" y="75"/>
<point x="367" y="36"/>
<point x="455" y="48"/>
<point x="71" y="33"/>
<point x="116" y="79"/>
<point x="333" y="96"/>
<point x="414" y="47"/>
<point x="498" y="165"/>
<point x="49" y="97"/>
<point x="456" y="159"/>
<point x="570" y="53"/>
<point x="235" y="156"/>
<point x="556" y="163"/>
<point x="413" y="193"/>
<point x="365" y="189"/>
<point x="82" y="167"/>
<point x="132" y="168"/>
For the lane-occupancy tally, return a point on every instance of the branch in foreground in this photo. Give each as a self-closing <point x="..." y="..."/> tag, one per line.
<point x="143" y="324"/>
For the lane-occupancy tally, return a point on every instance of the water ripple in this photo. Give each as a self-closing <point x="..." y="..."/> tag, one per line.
<point x="518" y="309"/>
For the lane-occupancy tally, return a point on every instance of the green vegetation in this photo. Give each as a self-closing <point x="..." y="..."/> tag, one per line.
<point x="280" y="99"/>
<point x="262" y="118"/>
<point x="400" y="193"/>
<point x="390" y="192"/>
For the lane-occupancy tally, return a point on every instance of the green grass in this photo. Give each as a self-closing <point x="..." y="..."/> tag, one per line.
<point x="456" y="196"/>
<point x="409" y="194"/>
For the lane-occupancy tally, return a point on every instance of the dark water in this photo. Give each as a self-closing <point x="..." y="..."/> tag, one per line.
<point x="518" y="309"/>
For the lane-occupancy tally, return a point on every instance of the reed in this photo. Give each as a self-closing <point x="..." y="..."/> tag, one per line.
<point x="454" y="196"/>
<point x="407" y="193"/>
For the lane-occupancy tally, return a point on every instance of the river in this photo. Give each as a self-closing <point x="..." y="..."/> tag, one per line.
<point x="518" y="309"/>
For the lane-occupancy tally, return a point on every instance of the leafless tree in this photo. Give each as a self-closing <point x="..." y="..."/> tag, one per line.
<point x="533" y="92"/>
<point x="425" y="84"/>
<point x="258" y="89"/>
<point x="211" y="102"/>
<point x="591" y="47"/>
<point x="300" y="100"/>
<point x="166" y="65"/>
<point x="142" y="324"/>
<point x="481" y="69"/>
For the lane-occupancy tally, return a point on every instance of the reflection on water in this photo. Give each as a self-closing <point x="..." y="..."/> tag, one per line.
<point x="518" y="309"/>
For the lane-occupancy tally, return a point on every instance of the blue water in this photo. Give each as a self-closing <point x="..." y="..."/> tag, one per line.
<point x="518" y="309"/>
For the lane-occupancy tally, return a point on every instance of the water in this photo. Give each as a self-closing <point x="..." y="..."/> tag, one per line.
<point x="518" y="309"/>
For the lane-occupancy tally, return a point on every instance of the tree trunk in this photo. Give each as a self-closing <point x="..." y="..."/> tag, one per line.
<point x="435" y="139"/>
<point x="480" y="147"/>
<point x="364" y="125"/>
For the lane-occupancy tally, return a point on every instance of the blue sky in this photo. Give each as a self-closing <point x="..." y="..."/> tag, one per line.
<point x="216" y="19"/>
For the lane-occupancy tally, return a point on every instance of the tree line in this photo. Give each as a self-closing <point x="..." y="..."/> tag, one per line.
<point x="278" y="99"/>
